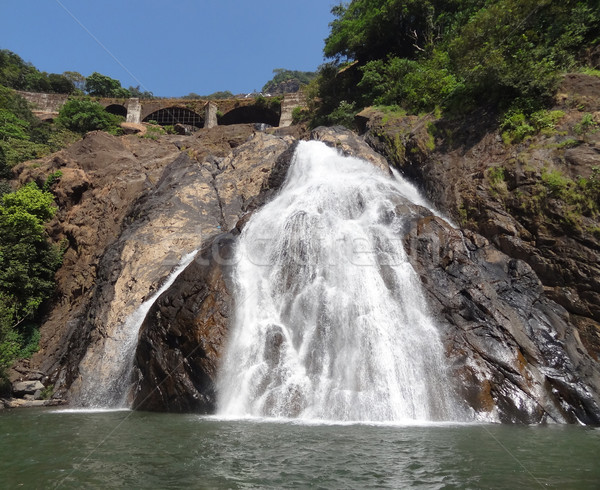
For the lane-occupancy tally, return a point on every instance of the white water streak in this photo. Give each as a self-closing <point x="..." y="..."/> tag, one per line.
<point x="109" y="384"/>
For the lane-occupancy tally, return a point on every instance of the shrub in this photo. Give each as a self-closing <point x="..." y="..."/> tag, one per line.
<point x="343" y="115"/>
<point x="16" y="150"/>
<point x="83" y="115"/>
<point x="586" y="125"/>
<point x="27" y="265"/>
<point x="517" y="126"/>
<point x="300" y="115"/>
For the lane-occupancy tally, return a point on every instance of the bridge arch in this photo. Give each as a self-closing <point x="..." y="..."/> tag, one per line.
<point x="117" y="109"/>
<point x="170" y="116"/>
<point x="250" y="114"/>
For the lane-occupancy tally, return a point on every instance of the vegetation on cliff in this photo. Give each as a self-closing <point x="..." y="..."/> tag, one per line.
<point x="283" y="75"/>
<point x="457" y="55"/>
<point x="27" y="265"/>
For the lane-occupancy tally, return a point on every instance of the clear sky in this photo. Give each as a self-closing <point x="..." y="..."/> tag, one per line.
<point x="170" y="47"/>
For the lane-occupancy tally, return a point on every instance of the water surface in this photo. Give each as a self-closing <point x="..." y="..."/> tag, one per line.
<point x="40" y="448"/>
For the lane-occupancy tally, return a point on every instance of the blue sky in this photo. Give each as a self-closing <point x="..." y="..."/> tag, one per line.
<point x="173" y="47"/>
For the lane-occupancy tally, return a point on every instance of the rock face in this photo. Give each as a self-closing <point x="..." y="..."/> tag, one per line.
<point x="131" y="208"/>
<point x="515" y="353"/>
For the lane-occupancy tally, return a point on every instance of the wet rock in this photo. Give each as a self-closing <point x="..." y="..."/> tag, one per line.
<point x="182" y="338"/>
<point x="180" y="342"/>
<point x="514" y="351"/>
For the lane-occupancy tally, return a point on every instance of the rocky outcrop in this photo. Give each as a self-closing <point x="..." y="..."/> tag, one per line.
<point x="182" y="338"/>
<point x="131" y="208"/>
<point x="515" y="355"/>
<point x="514" y="352"/>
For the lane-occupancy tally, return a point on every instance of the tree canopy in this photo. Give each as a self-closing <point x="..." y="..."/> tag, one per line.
<point x="17" y="74"/>
<point x="27" y="265"/>
<point x="83" y="115"/>
<point x="419" y="54"/>
<point x="100" y="85"/>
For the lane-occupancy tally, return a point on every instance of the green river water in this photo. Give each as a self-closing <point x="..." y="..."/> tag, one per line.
<point x="41" y="448"/>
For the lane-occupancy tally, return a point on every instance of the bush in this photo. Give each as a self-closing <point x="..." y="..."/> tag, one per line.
<point x="586" y="125"/>
<point x="27" y="265"/>
<point x="517" y="126"/>
<point x="414" y="85"/>
<point x="343" y="115"/>
<point x="16" y="151"/>
<point x="100" y="85"/>
<point x="83" y="115"/>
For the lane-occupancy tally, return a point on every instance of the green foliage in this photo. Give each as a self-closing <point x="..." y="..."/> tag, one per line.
<point x="517" y="126"/>
<point x="300" y="115"/>
<point x="593" y="72"/>
<point x="153" y="131"/>
<point x="272" y="103"/>
<point x="17" y="74"/>
<point x="214" y="96"/>
<point x="17" y="150"/>
<point x="586" y="125"/>
<point x="224" y="94"/>
<point x="4" y="168"/>
<point x="77" y="79"/>
<point x="24" y="137"/>
<point x="141" y="94"/>
<point x="83" y="115"/>
<point x="99" y="85"/>
<point x="343" y="115"/>
<point x="283" y="75"/>
<point x="582" y="195"/>
<point x="52" y="179"/>
<point x="27" y="265"/>
<point x="367" y="30"/>
<point x="456" y="54"/>
<point x="61" y="138"/>
<point x="12" y="126"/>
<point x="17" y="105"/>
<point x="417" y="86"/>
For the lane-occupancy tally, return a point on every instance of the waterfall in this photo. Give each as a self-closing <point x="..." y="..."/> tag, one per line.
<point x="330" y="322"/>
<point x="109" y="382"/>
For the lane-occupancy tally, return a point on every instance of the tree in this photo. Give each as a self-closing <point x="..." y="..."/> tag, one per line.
<point x="100" y="85"/>
<point x="372" y="29"/>
<point x="138" y="92"/>
<point x="59" y="84"/>
<point x="82" y="115"/>
<point x="423" y="53"/>
<point x="76" y="78"/>
<point x="27" y="265"/>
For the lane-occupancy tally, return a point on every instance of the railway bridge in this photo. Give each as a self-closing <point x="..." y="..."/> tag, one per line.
<point x="200" y="113"/>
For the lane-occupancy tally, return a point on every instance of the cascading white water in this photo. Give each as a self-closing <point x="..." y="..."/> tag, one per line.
<point x="330" y="322"/>
<point x="108" y="385"/>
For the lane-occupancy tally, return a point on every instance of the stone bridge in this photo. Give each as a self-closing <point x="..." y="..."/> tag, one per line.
<point x="201" y="113"/>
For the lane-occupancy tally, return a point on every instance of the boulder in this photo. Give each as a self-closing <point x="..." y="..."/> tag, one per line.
<point x="24" y="388"/>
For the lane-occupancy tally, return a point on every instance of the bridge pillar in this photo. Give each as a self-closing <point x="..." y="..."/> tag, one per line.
<point x="134" y="110"/>
<point x="210" y="115"/>
<point x="290" y="102"/>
